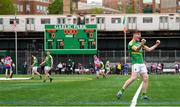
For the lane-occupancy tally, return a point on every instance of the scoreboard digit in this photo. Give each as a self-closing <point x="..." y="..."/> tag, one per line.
<point x="71" y="39"/>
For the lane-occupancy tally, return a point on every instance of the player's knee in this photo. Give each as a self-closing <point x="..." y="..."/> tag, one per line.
<point x="133" y="78"/>
<point x="46" y="72"/>
<point x="145" y="79"/>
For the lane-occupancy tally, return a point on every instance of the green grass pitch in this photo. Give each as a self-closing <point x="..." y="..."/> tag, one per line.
<point x="85" y="90"/>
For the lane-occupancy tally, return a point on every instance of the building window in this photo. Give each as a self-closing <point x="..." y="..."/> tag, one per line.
<point x="131" y="19"/>
<point x="61" y="21"/>
<point x="28" y="9"/>
<point x="1" y="20"/>
<point x="45" y="21"/>
<point x="44" y="0"/>
<point x="40" y="8"/>
<point x="177" y="19"/>
<point x="163" y="19"/>
<point x="87" y="20"/>
<point x="100" y="20"/>
<point x="74" y="21"/>
<point x="147" y="20"/>
<point x="116" y="20"/>
<point x="20" y="8"/>
<point x="29" y="21"/>
<point x="178" y="11"/>
<point x="37" y="8"/>
<point x="11" y="21"/>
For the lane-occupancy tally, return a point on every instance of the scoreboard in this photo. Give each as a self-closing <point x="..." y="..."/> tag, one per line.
<point x="71" y="39"/>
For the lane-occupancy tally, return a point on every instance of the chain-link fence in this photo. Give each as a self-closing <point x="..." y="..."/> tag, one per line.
<point x="154" y="56"/>
<point x="25" y="59"/>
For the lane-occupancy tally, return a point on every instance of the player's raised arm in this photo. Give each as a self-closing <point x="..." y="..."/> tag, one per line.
<point x="153" y="47"/>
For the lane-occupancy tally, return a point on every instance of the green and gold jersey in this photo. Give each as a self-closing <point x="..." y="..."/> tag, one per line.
<point x="48" y="61"/>
<point x="101" y="65"/>
<point x="136" y="56"/>
<point x="35" y="62"/>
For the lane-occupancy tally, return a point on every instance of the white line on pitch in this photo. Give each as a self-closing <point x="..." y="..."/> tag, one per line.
<point x="134" y="100"/>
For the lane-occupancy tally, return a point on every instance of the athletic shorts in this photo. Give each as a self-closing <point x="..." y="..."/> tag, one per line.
<point x="97" y="69"/>
<point x="107" y="69"/>
<point x="139" y="68"/>
<point x="47" y="68"/>
<point x="8" y="67"/>
<point x="34" y="68"/>
<point x="102" y="70"/>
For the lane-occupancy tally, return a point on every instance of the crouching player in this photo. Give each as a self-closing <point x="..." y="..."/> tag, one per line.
<point x="99" y="67"/>
<point x="8" y="66"/>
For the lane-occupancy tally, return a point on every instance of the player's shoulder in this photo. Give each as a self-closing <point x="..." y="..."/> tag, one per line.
<point x="50" y="56"/>
<point x="131" y="43"/>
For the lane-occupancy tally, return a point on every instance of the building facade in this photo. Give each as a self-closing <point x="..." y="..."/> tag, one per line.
<point x="178" y="6"/>
<point x="170" y="6"/>
<point x="32" y="6"/>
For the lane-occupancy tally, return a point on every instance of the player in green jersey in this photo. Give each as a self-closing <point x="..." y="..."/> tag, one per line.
<point x="48" y="62"/>
<point x="34" y="67"/>
<point x="135" y="48"/>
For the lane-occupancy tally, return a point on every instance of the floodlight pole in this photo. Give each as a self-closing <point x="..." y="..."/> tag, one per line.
<point x="16" y="44"/>
<point x="124" y="47"/>
<point x="16" y="51"/>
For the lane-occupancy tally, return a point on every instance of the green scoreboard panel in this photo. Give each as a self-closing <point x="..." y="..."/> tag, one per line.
<point x="71" y="39"/>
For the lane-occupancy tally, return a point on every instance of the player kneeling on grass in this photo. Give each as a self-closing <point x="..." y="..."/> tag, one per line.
<point x="138" y="67"/>
<point x="48" y="62"/>
<point x="8" y="66"/>
<point x="34" y="67"/>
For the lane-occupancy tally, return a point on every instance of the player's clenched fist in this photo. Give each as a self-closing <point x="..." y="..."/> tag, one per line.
<point x="143" y="41"/>
<point x="158" y="42"/>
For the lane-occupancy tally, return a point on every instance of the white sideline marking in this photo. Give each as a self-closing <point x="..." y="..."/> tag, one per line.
<point x="15" y="78"/>
<point x="134" y="100"/>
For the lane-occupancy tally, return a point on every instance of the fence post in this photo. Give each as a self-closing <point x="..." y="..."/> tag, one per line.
<point x="113" y="54"/>
<point x="175" y="54"/>
<point x="159" y="53"/>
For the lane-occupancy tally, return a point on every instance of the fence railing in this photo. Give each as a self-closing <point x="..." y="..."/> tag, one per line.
<point x="25" y="60"/>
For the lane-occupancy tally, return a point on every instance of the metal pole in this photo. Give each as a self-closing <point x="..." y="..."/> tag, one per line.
<point x="16" y="51"/>
<point x="16" y="44"/>
<point x="124" y="47"/>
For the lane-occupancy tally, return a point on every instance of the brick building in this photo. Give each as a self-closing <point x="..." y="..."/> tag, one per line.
<point x="170" y="6"/>
<point x="178" y="6"/>
<point x="32" y="6"/>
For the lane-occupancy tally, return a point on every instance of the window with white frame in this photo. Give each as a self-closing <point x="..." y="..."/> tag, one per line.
<point x="1" y="20"/>
<point x="28" y="9"/>
<point x="177" y="19"/>
<point x="60" y="20"/>
<point x="147" y="20"/>
<point x="11" y="21"/>
<point x="20" y="8"/>
<point x="30" y="21"/>
<point x="116" y="20"/>
<point x="45" y="21"/>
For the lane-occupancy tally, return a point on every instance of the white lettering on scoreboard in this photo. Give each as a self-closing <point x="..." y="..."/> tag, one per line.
<point x="70" y="26"/>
